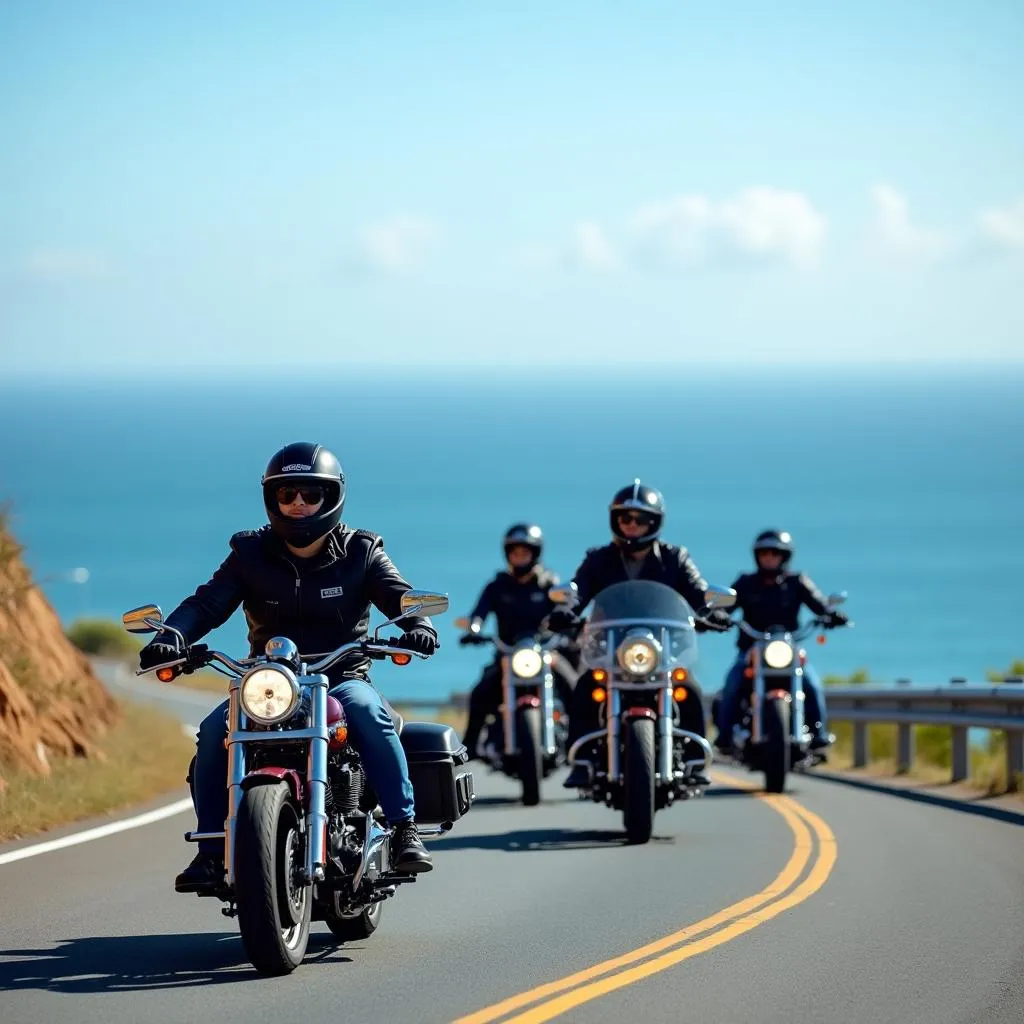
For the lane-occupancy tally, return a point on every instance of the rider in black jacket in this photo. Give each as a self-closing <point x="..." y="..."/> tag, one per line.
<point x="773" y="596"/>
<point x="310" y="578"/>
<point x="518" y="597"/>
<point x="637" y="513"/>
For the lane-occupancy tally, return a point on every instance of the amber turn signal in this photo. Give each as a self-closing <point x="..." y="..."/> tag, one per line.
<point x="748" y="673"/>
<point x="165" y="675"/>
<point x="680" y="693"/>
<point x="339" y="734"/>
<point x="821" y="638"/>
<point x="599" y="675"/>
<point x="401" y="659"/>
<point x="597" y="695"/>
<point x="680" y="675"/>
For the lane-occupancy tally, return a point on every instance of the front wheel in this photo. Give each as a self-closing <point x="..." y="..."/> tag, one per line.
<point x="638" y="779"/>
<point x="358" y="926"/>
<point x="531" y="767"/>
<point x="776" y="744"/>
<point x="273" y="905"/>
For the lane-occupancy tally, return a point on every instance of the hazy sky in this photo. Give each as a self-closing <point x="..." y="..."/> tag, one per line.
<point x="198" y="184"/>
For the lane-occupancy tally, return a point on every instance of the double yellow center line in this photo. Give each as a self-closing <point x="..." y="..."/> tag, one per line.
<point x="813" y="841"/>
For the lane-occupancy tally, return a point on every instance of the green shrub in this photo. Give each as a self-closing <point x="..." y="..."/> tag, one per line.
<point x="103" y="637"/>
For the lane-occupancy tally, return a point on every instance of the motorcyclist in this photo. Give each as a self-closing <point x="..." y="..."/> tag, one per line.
<point x="636" y="513"/>
<point x="518" y="597"/>
<point x="311" y="578"/>
<point x="772" y="596"/>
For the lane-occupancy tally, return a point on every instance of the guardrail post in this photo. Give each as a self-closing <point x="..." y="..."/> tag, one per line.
<point x="904" y="741"/>
<point x="1014" y="760"/>
<point x="961" y="753"/>
<point x="860" y="744"/>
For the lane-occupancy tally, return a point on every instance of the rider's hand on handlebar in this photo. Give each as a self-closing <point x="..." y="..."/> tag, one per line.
<point x="563" y="620"/>
<point x="471" y="640"/>
<point x="420" y="640"/>
<point x="159" y="652"/>
<point x="717" y="620"/>
<point x="830" y="620"/>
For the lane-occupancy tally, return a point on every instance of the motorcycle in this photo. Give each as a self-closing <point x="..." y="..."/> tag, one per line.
<point x="639" y="644"/>
<point x="304" y="839"/>
<point x="527" y="742"/>
<point x="772" y="735"/>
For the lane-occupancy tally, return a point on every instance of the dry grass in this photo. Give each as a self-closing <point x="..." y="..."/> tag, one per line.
<point x="144" y="755"/>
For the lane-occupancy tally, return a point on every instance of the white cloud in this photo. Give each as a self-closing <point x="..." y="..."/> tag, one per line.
<point x="67" y="265"/>
<point x="895" y="231"/>
<point x="763" y="224"/>
<point x="1004" y="226"/>
<point x="592" y="249"/>
<point x="399" y="243"/>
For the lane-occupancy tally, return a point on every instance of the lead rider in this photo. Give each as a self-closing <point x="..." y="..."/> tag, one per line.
<point x="310" y="578"/>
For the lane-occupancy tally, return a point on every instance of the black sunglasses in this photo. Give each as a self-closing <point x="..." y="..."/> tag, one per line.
<point x="310" y="495"/>
<point x="639" y="518"/>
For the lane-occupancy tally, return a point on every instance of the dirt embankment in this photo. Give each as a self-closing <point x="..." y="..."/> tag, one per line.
<point x="51" y="703"/>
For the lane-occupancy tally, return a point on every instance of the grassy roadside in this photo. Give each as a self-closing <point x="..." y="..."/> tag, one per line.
<point x="144" y="755"/>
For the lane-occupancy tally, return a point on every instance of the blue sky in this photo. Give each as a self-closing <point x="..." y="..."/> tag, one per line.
<point x="470" y="184"/>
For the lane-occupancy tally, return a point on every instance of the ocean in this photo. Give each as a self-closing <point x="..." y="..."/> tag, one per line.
<point x="903" y="488"/>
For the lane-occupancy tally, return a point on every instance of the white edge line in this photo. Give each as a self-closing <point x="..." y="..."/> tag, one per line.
<point x="167" y="811"/>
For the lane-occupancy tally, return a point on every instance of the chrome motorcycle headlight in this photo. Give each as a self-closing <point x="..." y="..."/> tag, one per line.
<point x="269" y="694"/>
<point x="527" y="662"/>
<point x="778" y="654"/>
<point x="638" y="655"/>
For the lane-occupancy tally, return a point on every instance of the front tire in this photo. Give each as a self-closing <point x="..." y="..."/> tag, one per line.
<point x="273" y="910"/>
<point x="638" y="779"/>
<point x="776" y="745"/>
<point x="531" y="768"/>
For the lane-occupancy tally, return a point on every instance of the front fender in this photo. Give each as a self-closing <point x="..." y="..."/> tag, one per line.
<point x="268" y="776"/>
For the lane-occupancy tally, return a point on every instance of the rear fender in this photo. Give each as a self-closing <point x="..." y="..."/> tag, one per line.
<point x="268" y="776"/>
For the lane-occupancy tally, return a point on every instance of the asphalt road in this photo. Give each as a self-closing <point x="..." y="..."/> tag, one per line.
<point x="828" y="905"/>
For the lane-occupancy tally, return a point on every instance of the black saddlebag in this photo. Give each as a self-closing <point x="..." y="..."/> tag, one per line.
<point x="441" y="778"/>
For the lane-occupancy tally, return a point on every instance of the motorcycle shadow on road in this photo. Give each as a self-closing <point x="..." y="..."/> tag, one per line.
<point x="531" y="840"/>
<point x="137" y="963"/>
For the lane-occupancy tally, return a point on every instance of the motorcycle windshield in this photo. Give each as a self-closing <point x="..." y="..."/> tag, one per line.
<point x="625" y="608"/>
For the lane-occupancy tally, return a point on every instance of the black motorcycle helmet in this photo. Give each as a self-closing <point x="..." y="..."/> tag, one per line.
<point x="637" y="497"/>
<point x="774" y="540"/>
<point x="295" y="465"/>
<point x="527" y="535"/>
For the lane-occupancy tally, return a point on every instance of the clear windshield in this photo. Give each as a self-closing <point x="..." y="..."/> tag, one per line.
<point x="624" y="608"/>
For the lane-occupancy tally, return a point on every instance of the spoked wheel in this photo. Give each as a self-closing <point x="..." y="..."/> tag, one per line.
<point x="273" y="905"/>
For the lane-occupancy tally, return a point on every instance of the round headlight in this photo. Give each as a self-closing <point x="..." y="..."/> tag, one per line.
<point x="778" y="654"/>
<point x="527" y="662"/>
<point x="269" y="695"/>
<point x="638" y="657"/>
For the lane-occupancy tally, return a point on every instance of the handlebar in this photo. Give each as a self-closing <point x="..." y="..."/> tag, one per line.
<point x="796" y="634"/>
<point x="554" y="640"/>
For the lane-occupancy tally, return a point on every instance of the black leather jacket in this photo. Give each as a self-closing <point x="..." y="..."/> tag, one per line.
<point x="319" y="603"/>
<point x="664" y="563"/>
<point x="766" y="602"/>
<point x="518" y="606"/>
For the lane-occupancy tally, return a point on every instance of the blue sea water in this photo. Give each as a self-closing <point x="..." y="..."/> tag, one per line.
<point x="905" y="489"/>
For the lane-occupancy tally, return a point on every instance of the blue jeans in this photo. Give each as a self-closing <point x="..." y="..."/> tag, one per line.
<point x="371" y="732"/>
<point x="729" y="702"/>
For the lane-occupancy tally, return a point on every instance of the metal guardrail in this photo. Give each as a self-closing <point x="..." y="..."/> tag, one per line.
<point x="959" y="705"/>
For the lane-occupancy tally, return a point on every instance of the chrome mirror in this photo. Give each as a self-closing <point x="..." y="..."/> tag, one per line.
<point x="135" y="621"/>
<point x="835" y="600"/>
<point x="719" y="597"/>
<point x="423" y="602"/>
<point x="567" y="595"/>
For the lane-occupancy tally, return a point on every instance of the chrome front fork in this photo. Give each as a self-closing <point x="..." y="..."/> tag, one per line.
<point x="510" y="701"/>
<point x="236" y="773"/>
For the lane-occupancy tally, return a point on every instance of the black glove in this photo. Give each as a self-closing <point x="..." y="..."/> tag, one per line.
<point x="159" y="652"/>
<point x="830" y="620"/>
<point x="717" y="620"/>
<point x="563" y="620"/>
<point x="422" y="641"/>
